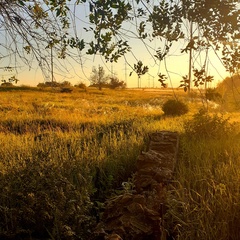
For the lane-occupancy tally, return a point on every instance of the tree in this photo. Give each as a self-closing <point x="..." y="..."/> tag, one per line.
<point x="9" y="82"/>
<point x="81" y="85"/>
<point x="203" y="24"/>
<point x="140" y="70"/>
<point x="30" y="29"/>
<point x="200" y="24"/>
<point x="116" y="83"/>
<point x="49" y="84"/>
<point x="65" y="84"/>
<point x="98" y="77"/>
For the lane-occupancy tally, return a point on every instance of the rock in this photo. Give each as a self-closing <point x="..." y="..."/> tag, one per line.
<point x="138" y="215"/>
<point x="113" y="237"/>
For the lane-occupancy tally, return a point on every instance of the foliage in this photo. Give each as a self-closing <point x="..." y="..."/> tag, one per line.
<point x="46" y="25"/>
<point x="45" y="198"/>
<point x="65" y="87"/>
<point x="116" y="83"/>
<point x="174" y="107"/>
<point x="229" y="83"/>
<point x="204" y="125"/>
<point x="211" y="94"/>
<point x="214" y="24"/>
<point x="185" y="83"/>
<point x="39" y="26"/>
<point x="162" y="78"/>
<point x="108" y="18"/>
<point x="48" y="84"/>
<point x="140" y="70"/>
<point x="200" y="77"/>
<point x="9" y="82"/>
<point x="81" y="85"/>
<point x="64" y="84"/>
<point x="66" y="90"/>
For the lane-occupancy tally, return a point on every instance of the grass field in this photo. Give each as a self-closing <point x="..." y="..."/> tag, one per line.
<point x="63" y="154"/>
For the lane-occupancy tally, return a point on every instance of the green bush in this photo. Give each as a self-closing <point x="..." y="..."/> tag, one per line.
<point x="204" y="125"/>
<point x="41" y="200"/>
<point x="174" y="107"/>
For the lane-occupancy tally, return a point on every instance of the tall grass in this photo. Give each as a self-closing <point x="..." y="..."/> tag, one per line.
<point x="62" y="155"/>
<point x="52" y="183"/>
<point x="204" y="202"/>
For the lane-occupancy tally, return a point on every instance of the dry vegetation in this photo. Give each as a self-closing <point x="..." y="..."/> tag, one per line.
<point x="63" y="154"/>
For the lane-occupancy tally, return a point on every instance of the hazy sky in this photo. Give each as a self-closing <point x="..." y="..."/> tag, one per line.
<point x="177" y="66"/>
<point x="176" y="63"/>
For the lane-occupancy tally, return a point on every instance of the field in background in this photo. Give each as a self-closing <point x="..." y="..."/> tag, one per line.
<point x="63" y="154"/>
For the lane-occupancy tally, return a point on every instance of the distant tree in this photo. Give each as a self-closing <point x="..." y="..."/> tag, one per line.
<point x="116" y="83"/>
<point x="200" y="26"/>
<point x="66" y="87"/>
<point x="13" y="79"/>
<point x="140" y="69"/>
<point x="98" y="77"/>
<point x="49" y="84"/>
<point x="31" y="29"/>
<point x="65" y="84"/>
<point x="9" y="82"/>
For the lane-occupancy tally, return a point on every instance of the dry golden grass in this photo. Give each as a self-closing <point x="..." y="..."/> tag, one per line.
<point x="63" y="154"/>
<point x="96" y="107"/>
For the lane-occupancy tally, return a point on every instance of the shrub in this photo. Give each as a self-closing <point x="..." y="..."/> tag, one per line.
<point x="204" y="125"/>
<point x="43" y="199"/>
<point x="174" y="107"/>
<point x="7" y="84"/>
<point x="81" y="85"/>
<point x="116" y="83"/>
<point x="49" y="84"/>
<point x="212" y="95"/>
<point x="66" y="90"/>
<point x="65" y="84"/>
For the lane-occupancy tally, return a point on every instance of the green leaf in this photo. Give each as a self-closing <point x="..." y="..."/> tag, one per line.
<point x="21" y="3"/>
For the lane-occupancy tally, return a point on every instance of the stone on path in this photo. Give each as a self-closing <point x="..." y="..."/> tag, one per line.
<point x="137" y="215"/>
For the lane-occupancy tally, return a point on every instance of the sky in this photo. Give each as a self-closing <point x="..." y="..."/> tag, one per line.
<point x="174" y="67"/>
<point x="177" y="66"/>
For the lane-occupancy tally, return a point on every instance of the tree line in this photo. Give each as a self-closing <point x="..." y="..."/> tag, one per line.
<point x="98" y="79"/>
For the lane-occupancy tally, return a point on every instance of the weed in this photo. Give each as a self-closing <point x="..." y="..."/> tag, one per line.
<point x="205" y="125"/>
<point x="63" y="155"/>
<point x="203" y="202"/>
